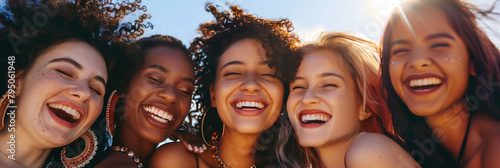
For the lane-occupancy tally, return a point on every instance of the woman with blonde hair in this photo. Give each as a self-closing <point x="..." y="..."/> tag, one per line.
<point x="336" y="111"/>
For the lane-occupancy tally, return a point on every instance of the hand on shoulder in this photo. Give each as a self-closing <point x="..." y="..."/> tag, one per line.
<point x="377" y="150"/>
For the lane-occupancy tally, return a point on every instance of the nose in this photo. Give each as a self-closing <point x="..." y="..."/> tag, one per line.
<point x="80" y="91"/>
<point x="168" y="93"/>
<point x="419" y="60"/>
<point x="310" y="98"/>
<point x="250" y="84"/>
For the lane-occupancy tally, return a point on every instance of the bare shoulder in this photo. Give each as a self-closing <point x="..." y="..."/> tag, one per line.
<point x="377" y="150"/>
<point x="117" y="159"/>
<point x="172" y="155"/>
<point x="491" y="142"/>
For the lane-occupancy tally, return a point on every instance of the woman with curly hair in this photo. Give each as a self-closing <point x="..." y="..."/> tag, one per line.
<point x="335" y="109"/>
<point x="155" y="97"/>
<point x="240" y="88"/>
<point x="442" y="76"/>
<point x="59" y="54"/>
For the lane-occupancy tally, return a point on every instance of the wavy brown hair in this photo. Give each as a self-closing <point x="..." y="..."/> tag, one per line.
<point x="232" y="26"/>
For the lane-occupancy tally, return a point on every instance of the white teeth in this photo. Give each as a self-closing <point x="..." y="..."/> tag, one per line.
<point x="76" y="115"/>
<point x="249" y="104"/>
<point x="425" y="82"/>
<point x="313" y="117"/>
<point x="159" y="114"/>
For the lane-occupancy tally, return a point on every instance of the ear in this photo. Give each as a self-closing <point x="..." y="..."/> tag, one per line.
<point x="471" y="69"/>
<point x="363" y="115"/>
<point x="212" y="96"/>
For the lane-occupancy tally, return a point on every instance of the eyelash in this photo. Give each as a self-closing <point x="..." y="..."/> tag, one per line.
<point x="327" y="85"/>
<point x="184" y="92"/>
<point x="231" y="73"/>
<point x="95" y="90"/>
<point x="298" y="87"/>
<point x="158" y="81"/>
<point x="440" y="45"/>
<point x="64" y="73"/>
<point x="400" y="51"/>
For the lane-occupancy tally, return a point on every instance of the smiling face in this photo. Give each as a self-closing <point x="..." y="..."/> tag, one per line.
<point x="247" y="95"/>
<point x="158" y="97"/>
<point x="429" y="69"/>
<point x="61" y="95"/>
<point x="323" y="105"/>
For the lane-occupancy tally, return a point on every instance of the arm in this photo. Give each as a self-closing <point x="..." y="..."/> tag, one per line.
<point x="491" y="152"/>
<point x="172" y="155"/>
<point x="377" y="150"/>
<point x="117" y="159"/>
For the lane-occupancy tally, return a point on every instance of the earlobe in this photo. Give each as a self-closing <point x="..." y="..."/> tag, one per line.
<point x="363" y="115"/>
<point x="471" y="69"/>
<point x="212" y="96"/>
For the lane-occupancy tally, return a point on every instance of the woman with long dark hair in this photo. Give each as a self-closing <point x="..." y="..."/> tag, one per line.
<point x="442" y="73"/>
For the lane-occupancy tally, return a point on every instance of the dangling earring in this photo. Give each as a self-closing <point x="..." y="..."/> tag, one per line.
<point x="471" y="106"/>
<point x="88" y="153"/>
<point x="110" y="112"/>
<point x="4" y="104"/>
<point x="215" y="131"/>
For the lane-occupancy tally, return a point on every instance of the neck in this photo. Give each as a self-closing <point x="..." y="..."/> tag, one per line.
<point x="450" y="126"/>
<point x="142" y="148"/>
<point x="237" y="149"/>
<point x="333" y="154"/>
<point x="26" y="153"/>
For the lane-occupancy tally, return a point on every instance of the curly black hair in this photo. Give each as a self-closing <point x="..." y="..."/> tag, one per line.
<point x="32" y="27"/>
<point x="229" y="27"/>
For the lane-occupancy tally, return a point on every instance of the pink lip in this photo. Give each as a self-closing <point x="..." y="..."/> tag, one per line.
<point x="406" y="82"/>
<point x="64" y="122"/>
<point x="311" y="111"/>
<point x="249" y="112"/>
<point x="157" y="123"/>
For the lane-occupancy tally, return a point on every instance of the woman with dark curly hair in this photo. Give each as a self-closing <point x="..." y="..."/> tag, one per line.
<point x="59" y="53"/>
<point x="240" y="88"/>
<point x="155" y="97"/>
<point x="442" y="77"/>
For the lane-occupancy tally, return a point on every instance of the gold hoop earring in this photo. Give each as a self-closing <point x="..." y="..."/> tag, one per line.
<point x="212" y="130"/>
<point x="110" y="112"/>
<point x="4" y="105"/>
<point x="85" y="156"/>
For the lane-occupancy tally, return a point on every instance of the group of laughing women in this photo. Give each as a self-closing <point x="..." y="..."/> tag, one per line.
<point x="82" y="89"/>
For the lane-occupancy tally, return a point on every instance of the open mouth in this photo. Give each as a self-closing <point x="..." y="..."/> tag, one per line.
<point x="316" y="118"/>
<point x="424" y="84"/>
<point x="249" y="105"/>
<point x="66" y="113"/>
<point x="158" y="114"/>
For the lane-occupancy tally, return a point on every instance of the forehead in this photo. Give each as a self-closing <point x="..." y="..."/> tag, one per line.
<point x="246" y="50"/>
<point x="169" y="58"/>
<point x="317" y="62"/>
<point x="417" y="23"/>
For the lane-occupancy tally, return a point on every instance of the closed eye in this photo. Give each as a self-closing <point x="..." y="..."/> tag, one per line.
<point x="440" y="45"/>
<point x="154" y="80"/>
<point x="187" y="93"/>
<point x="269" y="75"/>
<point x="95" y="91"/>
<point x="64" y="73"/>
<point x="298" y="87"/>
<point x="231" y="73"/>
<point x="400" y="51"/>
<point x="330" y="85"/>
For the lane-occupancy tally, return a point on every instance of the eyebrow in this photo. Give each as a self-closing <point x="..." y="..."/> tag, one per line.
<point x="398" y="42"/>
<point x="78" y="66"/>
<point x="157" y="67"/>
<point x="232" y="63"/>
<point x="439" y="35"/>
<point x="67" y="60"/>
<point x="326" y="74"/>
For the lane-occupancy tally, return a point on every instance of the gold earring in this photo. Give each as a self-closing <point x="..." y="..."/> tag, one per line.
<point x="87" y="154"/>
<point x="110" y="112"/>
<point x="212" y="130"/>
<point x="4" y="105"/>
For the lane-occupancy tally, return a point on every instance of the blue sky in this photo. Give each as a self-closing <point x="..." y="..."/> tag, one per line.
<point x="180" y="18"/>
